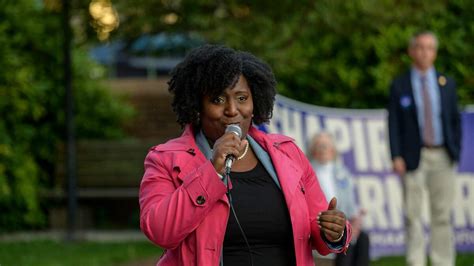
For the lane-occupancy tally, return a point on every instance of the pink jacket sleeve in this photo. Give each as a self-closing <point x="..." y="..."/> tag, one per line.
<point x="171" y="209"/>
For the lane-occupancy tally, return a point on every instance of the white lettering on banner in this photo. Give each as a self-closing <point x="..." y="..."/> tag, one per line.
<point x="378" y="146"/>
<point x="360" y="151"/>
<point x="463" y="210"/>
<point x="387" y="238"/>
<point x="339" y="128"/>
<point x="394" y="201"/>
<point x="290" y="124"/>
<point x="372" y="198"/>
<point x="383" y="201"/>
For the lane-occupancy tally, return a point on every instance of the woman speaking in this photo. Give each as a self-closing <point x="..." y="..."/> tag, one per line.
<point x="224" y="192"/>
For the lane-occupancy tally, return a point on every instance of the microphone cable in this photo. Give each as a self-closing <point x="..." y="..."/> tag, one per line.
<point x="229" y="196"/>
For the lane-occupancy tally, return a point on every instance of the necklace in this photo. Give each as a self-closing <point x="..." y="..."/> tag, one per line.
<point x="245" y="152"/>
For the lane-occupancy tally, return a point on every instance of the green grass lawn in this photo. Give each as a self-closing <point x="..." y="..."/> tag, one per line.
<point x="53" y="253"/>
<point x="466" y="259"/>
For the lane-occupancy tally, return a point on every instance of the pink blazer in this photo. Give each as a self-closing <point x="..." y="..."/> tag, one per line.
<point x="184" y="209"/>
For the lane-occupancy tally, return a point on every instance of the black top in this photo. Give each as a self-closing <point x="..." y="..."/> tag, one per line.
<point x="262" y="212"/>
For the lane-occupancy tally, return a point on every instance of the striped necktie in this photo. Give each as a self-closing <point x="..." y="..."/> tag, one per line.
<point x="428" y="130"/>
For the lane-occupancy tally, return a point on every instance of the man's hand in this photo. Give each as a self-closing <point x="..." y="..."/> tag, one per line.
<point x="399" y="166"/>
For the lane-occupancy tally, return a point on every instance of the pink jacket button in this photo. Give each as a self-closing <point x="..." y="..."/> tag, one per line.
<point x="200" y="200"/>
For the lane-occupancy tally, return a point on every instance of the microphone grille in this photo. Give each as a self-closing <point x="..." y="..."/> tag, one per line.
<point x="234" y="129"/>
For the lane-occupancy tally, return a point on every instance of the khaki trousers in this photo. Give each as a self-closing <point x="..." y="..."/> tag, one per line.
<point x="434" y="176"/>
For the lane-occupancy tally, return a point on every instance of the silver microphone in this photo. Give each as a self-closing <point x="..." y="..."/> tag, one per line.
<point x="229" y="159"/>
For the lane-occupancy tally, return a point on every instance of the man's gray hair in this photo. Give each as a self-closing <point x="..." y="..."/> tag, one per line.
<point x="413" y="38"/>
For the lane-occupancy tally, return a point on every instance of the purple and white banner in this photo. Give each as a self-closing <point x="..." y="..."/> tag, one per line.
<point x="361" y="138"/>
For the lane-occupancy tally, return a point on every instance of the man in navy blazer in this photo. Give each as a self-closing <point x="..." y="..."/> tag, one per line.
<point x="425" y="137"/>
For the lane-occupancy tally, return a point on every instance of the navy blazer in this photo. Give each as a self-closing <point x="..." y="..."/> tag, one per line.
<point x="404" y="131"/>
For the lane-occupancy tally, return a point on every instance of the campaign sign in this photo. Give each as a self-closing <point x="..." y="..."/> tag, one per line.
<point x="361" y="138"/>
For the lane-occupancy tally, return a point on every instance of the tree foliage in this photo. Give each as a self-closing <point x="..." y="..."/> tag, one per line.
<point x="331" y="52"/>
<point x="32" y="107"/>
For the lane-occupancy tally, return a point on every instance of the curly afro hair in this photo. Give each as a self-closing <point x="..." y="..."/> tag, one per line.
<point x="209" y="70"/>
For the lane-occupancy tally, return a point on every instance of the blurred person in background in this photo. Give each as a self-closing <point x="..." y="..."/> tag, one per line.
<point x="268" y="209"/>
<point x="336" y="181"/>
<point x="425" y="137"/>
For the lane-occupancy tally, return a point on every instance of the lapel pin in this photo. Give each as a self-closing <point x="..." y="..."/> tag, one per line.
<point x="442" y="80"/>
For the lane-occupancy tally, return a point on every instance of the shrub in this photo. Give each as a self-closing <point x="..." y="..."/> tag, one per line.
<point x="32" y="103"/>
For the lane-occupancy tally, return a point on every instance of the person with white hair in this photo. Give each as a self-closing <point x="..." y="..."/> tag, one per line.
<point x="336" y="181"/>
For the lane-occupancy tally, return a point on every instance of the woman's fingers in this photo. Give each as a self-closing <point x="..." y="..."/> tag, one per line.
<point x="331" y="235"/>
<point x="227" y="144"/>
<point x="332" y="231"/>
<point x="332" y="216"/>
<point x="332" y="223"/>
<point x="332" y="227"/>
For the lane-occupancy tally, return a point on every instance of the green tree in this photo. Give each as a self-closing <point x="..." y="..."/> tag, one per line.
<point x="32" y="107"/>
<point x="331" y="52"/>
